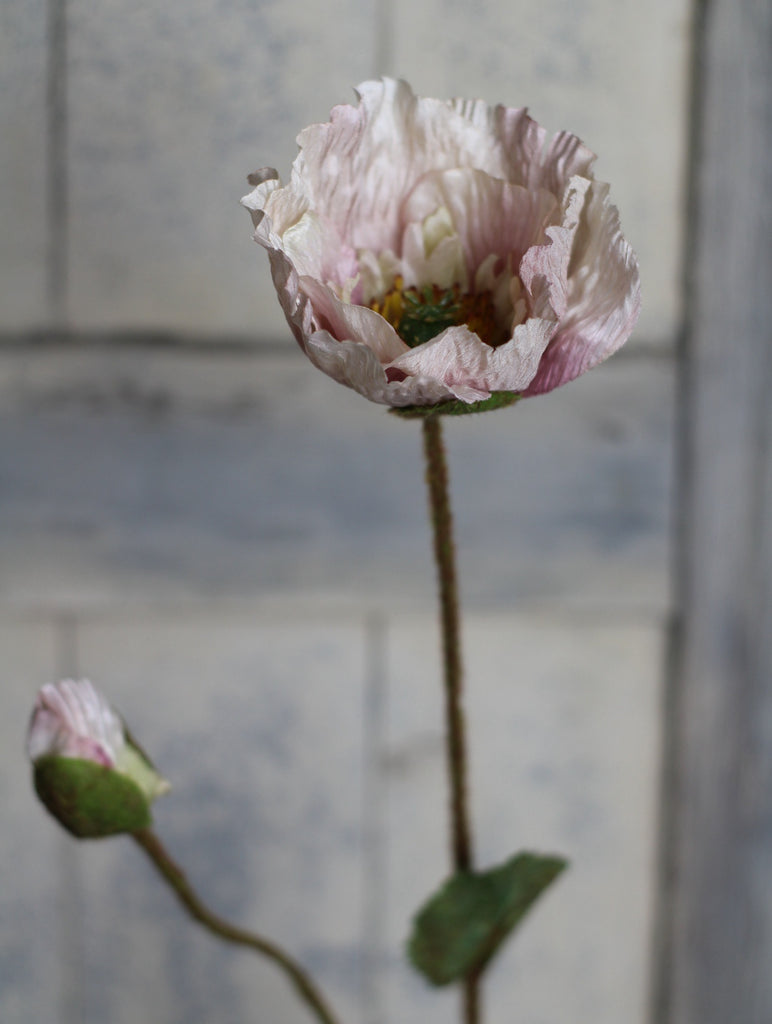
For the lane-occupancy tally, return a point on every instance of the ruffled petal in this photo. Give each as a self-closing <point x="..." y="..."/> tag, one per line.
<point x="433" y="252"/>
<point x="603" y="299"/>
<point x="355" y="365"/>
<point x="491" y="216"/>
<point x="265" y="181"/>
<point x="316" y="249"/>
<point x="348" y="322"/>
<point x="544" y="269"/>
<point x="295" y="306"/>
<point x="358" y="168"/>
<point x="470" y="369"/>
<point x="312" y="243"/>
<point x="566" y="157"/>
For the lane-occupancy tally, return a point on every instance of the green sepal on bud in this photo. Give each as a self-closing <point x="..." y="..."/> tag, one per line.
<point x="461" y="927"/>
<point x="90" y="800"/>
<point x="87" y="769"/>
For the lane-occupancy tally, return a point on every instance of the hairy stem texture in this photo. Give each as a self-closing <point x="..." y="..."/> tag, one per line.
<point x="177" y="880"/>
<point x="444" y="553"/>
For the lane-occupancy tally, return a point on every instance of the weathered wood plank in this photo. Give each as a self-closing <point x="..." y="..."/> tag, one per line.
<point x="564" y="726"/>
<point x="165" y="111"/>
<point x="171" y="107"/>
<point x="717" y="909"/>
<point x="259" y="728"/>
<point x="23" y="162"/>
<point x="131" y="475"/>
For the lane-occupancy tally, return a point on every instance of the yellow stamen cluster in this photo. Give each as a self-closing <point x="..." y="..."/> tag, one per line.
<point x="392" y="306"/>
<point x="418" y="315"/>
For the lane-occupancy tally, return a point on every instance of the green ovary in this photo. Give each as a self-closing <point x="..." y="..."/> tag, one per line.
<point x="418" y="315"/>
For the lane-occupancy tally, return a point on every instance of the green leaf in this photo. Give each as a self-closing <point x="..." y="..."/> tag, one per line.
<point x="88" y="799"/>
<point x="463" y="925"/>
<point x="497" y="400"/>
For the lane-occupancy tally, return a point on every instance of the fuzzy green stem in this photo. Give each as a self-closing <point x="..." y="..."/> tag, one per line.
<point x="442" y="527"/>
<point x="175" y="877"/>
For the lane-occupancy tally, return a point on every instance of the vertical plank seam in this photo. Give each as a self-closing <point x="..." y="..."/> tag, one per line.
<point x="374" y="879"/>
<point x="56" y="171"/>
<point x="660" y="1010"/>
<point x="754" y="779"/>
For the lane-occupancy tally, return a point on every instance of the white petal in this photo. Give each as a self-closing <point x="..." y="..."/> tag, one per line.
<point x="377" y="272"/>
<point x="296" y="307"/>
<point x="315" y="249"/>
<point x="489" y="215"/>
<point x="545" y="268"/>
<point x="358" y="168"/>
<point x="433" y="253"/>
<point x="355" y="365"/>
<point x="266" y="180"/>
<point x="348" y="322"/>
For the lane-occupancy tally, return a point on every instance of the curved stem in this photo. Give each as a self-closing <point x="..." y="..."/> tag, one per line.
<point x="175" y="877"/>
<point x="442" y="526"/>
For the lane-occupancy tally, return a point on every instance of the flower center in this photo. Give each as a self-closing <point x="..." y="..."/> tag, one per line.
<point x="418" y="315"/>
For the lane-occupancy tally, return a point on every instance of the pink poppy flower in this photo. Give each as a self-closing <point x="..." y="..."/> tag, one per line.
<point x="427" y="251"/>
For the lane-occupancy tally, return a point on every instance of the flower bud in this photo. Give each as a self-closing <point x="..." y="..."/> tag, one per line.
<point x="87" y="770"/>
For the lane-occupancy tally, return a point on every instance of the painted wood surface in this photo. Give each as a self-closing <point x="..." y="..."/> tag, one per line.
<point x="207" y="533"/>
<point x="120" y="195"/>
<point x="718" y="908"/>
<point x="130" y="478"/>
<point x="171" y="106"/>
<point x="564" y="726"/>
<point x="267" y="762"/>
<point x="220" y="536"/>
<point x="308" y="802"/>
<point x="24" y="240"/>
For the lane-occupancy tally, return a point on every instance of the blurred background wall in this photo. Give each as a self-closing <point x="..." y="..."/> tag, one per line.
<point x="235" y="548"/>
<point x="128" y="133"/>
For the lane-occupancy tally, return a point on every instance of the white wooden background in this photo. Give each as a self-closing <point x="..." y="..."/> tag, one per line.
<point x="236" y="549"/>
